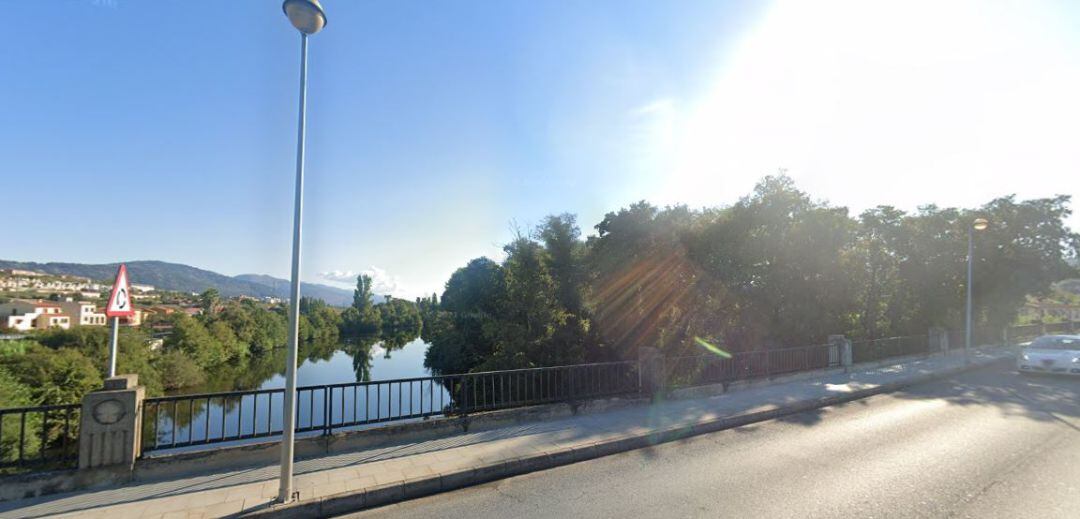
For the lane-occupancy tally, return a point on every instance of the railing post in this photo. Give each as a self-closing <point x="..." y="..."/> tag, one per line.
<point x="328" y="395"/>
<point x="110" y="427"/>
<point x="843" y="346"/>
<point x="939" y="340"/>
<point x="652" y="373"/>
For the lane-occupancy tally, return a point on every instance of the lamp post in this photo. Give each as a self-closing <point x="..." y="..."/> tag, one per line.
<point x="308" y="18"/>
<point x="979" y="224"/>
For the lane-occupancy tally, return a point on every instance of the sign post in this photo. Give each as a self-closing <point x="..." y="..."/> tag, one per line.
<point x="119" y="305"/>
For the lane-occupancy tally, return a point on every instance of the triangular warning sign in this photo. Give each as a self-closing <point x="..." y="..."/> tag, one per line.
<point x="120" y="299"/>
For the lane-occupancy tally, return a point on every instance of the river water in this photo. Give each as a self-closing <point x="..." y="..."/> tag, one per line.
<point x="184" y="422"/>
<point x="406" y="362"/>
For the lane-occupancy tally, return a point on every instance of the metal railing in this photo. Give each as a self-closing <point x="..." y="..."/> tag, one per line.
<point x="187" y="420"/>
<point x="39" y="437"/>
<point x="713" y="369"/>
<point x="870" y="350"/>
<point x="1018" y="334"/>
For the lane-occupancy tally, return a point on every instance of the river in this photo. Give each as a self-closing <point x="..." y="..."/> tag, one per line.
<point x="179" y="420"/>
<point x="406" y="362"/>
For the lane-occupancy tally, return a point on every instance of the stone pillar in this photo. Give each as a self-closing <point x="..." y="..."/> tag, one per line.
<point x="110" y="425"/>
<point x="843" y="347"/>
<point x="652" y="374"/>
<point x="939" y="340"/>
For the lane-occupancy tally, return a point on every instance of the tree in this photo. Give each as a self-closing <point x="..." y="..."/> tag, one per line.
<point x="364" y="319"/>
<point x="191" y="338"/>
<point x="362" y="295"/>
<point x="209" y="300"/>
<point x="60" y="376"/>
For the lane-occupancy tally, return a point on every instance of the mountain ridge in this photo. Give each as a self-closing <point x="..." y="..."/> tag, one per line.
<point x="185" y="278"/>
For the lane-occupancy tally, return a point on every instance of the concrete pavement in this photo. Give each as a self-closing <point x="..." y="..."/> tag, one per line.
<point x="984" y="444"/>
<point x="340" y="483"/>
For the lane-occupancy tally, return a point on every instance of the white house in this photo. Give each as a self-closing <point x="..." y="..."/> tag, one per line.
<point x="23" y="315"/>
<point x="83" y="313"/>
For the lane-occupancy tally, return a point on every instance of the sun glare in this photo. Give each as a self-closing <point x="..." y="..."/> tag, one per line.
<point x="852" y="96"/>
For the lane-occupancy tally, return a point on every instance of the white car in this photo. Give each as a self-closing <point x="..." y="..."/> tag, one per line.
<point x="1051" y="354"/>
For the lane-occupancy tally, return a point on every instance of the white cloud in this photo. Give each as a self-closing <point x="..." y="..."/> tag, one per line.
<point x="382" y="282"/>
<point x="339" y="276"/>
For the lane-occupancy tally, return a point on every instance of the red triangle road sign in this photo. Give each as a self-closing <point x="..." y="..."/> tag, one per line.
<point x="120" y="299"/>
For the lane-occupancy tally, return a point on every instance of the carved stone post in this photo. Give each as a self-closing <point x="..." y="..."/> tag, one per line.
<point x="110" y="425"/>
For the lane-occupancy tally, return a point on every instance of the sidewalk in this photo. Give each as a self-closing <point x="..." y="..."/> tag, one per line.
<point x="340" y="483"/>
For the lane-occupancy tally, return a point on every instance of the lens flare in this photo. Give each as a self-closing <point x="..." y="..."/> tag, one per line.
<point x="711" y="347"/>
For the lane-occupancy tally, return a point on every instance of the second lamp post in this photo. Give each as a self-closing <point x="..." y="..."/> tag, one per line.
<point x="308" y="18"/>
<point x="978" y="224"/>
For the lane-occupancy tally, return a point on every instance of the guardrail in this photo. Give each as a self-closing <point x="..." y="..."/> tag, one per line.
<point x="871" y="350"/>
<point x="187" y="420"/>
<point x="40" y="437"/>
<point x="48" y="435"/>
<point x="696" y="370"/>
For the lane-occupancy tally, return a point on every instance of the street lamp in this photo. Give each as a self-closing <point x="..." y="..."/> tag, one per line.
<point x="979" y="224"/>
<point x="309" y="18"/>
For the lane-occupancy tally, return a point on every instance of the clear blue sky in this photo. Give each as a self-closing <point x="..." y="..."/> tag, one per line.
<point x="166" y="129"/>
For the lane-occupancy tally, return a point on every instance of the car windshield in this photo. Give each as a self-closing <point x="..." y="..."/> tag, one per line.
<point x="1056" y="343"/>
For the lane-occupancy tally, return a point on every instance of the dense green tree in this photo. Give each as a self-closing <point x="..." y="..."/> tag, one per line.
<point x="191" y="338"/>
<point x="179" y="371"/>
<point x="53" y="376"/>
<point x="461" y="332"/>
<point x="209" y="300"/>
<point x="362" y="318"/>
<point x="775" y="269"/>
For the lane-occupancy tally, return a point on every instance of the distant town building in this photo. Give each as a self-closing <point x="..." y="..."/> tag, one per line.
<point x="24" y="315"/>
<point x="83" y="313"/>
<point x="28" y="281"/>
<point x="17" y="272"/>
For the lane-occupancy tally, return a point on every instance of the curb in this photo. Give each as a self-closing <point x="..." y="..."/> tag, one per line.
<point x="390" y="493"/>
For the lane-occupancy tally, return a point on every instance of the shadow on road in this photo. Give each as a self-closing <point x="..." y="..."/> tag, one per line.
<point x="1036" y="397"/>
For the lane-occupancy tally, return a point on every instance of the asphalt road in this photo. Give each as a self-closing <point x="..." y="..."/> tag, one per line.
<point x="989" y="443"/>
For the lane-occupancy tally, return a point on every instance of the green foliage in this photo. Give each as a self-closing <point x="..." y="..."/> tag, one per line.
<point x="320" y="324"/>
<point x="775" y="269"/>
<point x="191" y="338"/>
<point x="53" y="376"/>
<point x="527" y="311"/>
<point x="13" y="393"/>
<point x="179" y="371"/>
<point x="133" y="356"/>
<point x="16" y="347"/>
<point x="399" y="315"/>
<point x="209" y="300"/>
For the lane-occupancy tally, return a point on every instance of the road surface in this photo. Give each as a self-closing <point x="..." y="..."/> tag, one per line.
<point x="988" y="443"/>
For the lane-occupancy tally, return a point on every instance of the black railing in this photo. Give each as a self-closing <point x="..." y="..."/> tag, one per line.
<point x="39" y="437"/>
<point x="1061" y="328"/>
<point x="48" y="435"/>
<point x="187" y="420"/>
<point x="1018" y="334"/>
<point x="713" y="369"/>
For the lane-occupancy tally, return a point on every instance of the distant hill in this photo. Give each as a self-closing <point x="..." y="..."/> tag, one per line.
<point x="185" y="278"/>
<point x="332" y="295"/>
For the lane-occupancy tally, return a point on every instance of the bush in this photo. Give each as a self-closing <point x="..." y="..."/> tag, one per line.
<point x="177" y="371"/>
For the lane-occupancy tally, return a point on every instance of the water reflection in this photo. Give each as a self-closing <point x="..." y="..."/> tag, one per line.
<point x="258" y="414"/>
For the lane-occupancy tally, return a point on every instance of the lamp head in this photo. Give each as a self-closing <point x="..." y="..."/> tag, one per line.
<point x="980" y="224"/>
<point x="306" y="15"/>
